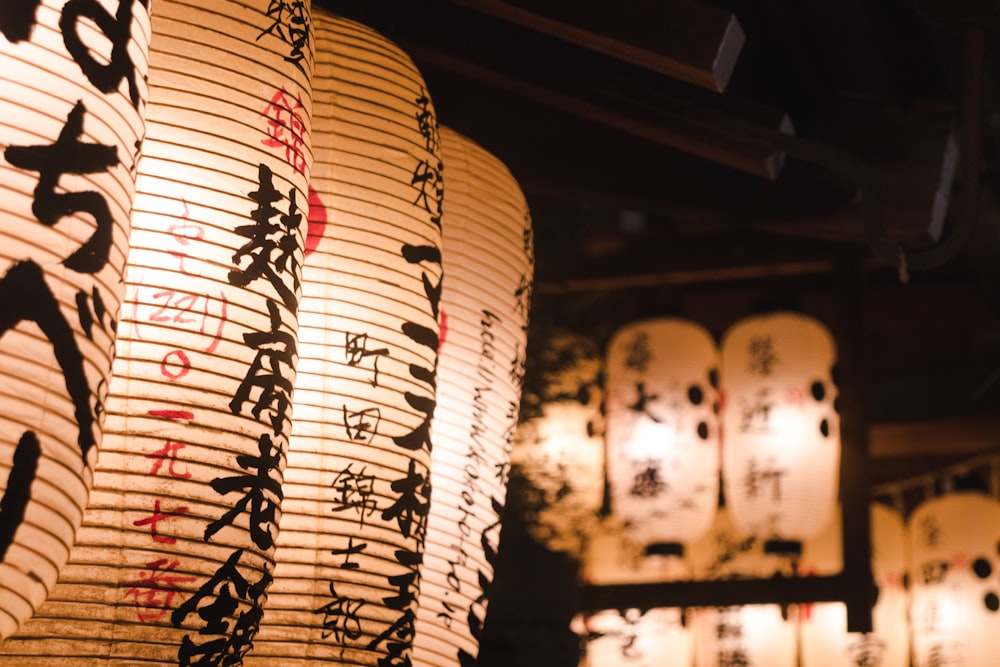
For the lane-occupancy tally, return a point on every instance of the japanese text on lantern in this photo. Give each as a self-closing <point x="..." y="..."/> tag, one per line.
<point x="160" y="584"/>
<point x="408" y="500"/>
<point x="28" y="291"/>
<point x="229" y="604"/>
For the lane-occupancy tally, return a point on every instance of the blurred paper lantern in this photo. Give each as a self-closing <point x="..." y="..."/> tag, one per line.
<point x="613" y="556"/>
<point x="825" y="641"/>
<point x="488" y="258"/>
<point x="955" y="592"/>
<point x="781" y="455"/>
<point x="559" y="448"/>
<point x="72" y="96"/>
<point x="175" y="555"/>
<point x="652" y="638"/>
<point x="748" y="635"/>
<point x="662" y="431"/>
<point x="357" y="481"/>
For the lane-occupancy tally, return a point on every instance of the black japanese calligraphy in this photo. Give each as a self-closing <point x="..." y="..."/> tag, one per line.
<point x="17" y="18"/>
<point x="18" y="491"/>
<point x="69" y="155"/>
<point x="271" y="372"/>
<point x="263" y="493"/>
<point x="107" y="75"/>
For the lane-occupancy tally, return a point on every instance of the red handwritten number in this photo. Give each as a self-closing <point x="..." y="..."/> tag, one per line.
<point x="156" y="589"/>
<point x="166" y="367"/>
<point x="153" y="520"/>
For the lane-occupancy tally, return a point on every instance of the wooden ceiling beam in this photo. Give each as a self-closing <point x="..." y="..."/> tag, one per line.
<point x="715" y="136"/>
<point x="684" y="40"/>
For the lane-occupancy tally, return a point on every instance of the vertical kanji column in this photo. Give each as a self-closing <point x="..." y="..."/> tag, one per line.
<point x="489" y="271"/>
<point x="176" y="552"/>
<point x="72" y="99"/>
<point x="357" y="487"/>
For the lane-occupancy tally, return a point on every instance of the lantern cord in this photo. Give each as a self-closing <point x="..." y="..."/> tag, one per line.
<point x="929" y="483"/>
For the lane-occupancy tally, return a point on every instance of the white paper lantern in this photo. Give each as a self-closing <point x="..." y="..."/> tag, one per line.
<point x="614" y="556"/>
<point x="559" y="449"/>
<point x="636" y="639"/>
<point x="488" y="262"/>
<point x="356" y="485"/>
<point x="662" y="430"/>
<point x="825" y="641"/>
<point x="72" y="97"/>
<point x="955" y="573"/>
<point x="175" y="555"/>
<point x="781" y="454"/>
<point x="749" y="635"/>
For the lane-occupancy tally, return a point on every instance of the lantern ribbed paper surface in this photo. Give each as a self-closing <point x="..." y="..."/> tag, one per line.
<point x="781" y="455"/>
<point x="954" y="545"/>
<point x="749" y="635"/>
<point x="825" y="641"/>
<point x="636" y="639"/>
<point x="662" y="430"/>
<point x="356" y="485"/>
<point x="72" y="92"/>
<point x="488" y="263"/>
<point x="559" y="449"/>
<point x="175" y="555"/>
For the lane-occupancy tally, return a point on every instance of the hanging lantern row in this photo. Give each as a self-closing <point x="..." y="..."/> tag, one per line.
<point x="948" y="550"/>
<point x="267" y="228"/>
<point x="678" y="410"/>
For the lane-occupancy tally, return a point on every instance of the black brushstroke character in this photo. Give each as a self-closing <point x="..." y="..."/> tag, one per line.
<point x="226" y="589"/>
<point x="69" y="155"/>
<point x="270" y="371"/>
<point x="107" y="75"/>
<point x="263" y="493"/>
<point x="25" y="296"/>
<point x="273" y="245"/>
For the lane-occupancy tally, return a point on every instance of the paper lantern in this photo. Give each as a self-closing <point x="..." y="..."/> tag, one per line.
<point x="955" y="591"/>
<point x="175" y="555"/>
<point x="614" y="556"/>
<point x="641" y="639"/>
<point x="356" y="489"/>
<point x="662" y="430"/>
<point x="749" y="635"/>
<point x="825" y="641"/>
<point x="781" y="455"/>
<point x="488" y="263"/>
<point x="559" y="448"/>
<point x="72" y="92"/>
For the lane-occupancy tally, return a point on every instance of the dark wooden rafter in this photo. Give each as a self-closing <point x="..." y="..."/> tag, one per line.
<point x="712" y="135"/>
<point x="688" y="41"/>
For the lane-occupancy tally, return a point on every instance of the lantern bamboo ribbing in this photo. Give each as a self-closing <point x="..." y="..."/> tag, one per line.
<point x="175" y="555"/>
<point x="485" y="299"/>
<point x="356" y="485"/>
<point x="70" y="123"/>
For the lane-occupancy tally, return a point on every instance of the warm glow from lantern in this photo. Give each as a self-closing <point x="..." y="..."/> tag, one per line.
<point x="559" y="449"/>
<point x="781" y="454"/>
<point x="651" y="639"/>
<point x="488" y="258"/>
<point x="174" y="558"/>
<point x="357" y="486"/>
<point x="955" y="591"/>
<point x="662" y="430"/>
<point x="70" y="118"/>
<point x="825" y="641"/>
<point x="750" y="635"/>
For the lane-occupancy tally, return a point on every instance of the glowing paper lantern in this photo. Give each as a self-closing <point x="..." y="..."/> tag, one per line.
<point x="559" y="449"/>
<point x="72" y="90"/>
<point x="748" y="635"/>
<point x="615" y="639"/>
<point x="662" y="431"/>
<point x="613" y="556"/>
<point x="955" y="590"/>
<point x="781" y="455"/>
<point x="356" y="484"/>
<point x="488" y="257"/>
<point x="825" y="641"/>
<point x="175" y="555"/>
